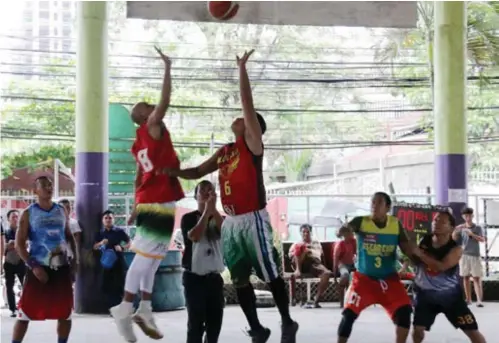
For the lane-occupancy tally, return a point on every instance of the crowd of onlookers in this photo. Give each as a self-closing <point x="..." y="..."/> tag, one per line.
<point x="110" y="237"/>
<point x="306" y="256"/>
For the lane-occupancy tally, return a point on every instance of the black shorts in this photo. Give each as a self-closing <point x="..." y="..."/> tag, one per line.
<point x="456" y="311"/>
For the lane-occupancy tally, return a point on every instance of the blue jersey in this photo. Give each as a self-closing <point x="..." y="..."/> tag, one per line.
<point x="377" y="246"/>
<point x="441" y="287"/>
<point x="46" y="232"/>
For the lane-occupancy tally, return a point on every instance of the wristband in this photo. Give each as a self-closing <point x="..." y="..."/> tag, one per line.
<point x="32" y="263"/>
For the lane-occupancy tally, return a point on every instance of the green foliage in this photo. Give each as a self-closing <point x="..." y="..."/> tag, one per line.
<point x="32" y="158"/>
<point x="483" y="55"/>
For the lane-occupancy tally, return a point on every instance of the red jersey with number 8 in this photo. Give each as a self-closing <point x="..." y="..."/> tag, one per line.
<point x="152" y="156"/>
<point x="241" y="179"/>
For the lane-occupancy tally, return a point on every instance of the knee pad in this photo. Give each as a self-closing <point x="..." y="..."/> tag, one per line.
<point x="346" y="324"/>
<point x="402" y="317"/>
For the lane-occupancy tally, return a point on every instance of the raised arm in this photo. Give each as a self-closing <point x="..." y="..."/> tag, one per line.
<point x="253" y="133"/>
<point x="205" y="168"/>
<point x="155" y="120"/>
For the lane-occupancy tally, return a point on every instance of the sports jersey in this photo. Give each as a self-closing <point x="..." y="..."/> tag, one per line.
<point x="46" y="232"/>
<point x="241" y="179"/>
<point x="377" y="247"/>
<point x="443" y="285"/>
<point x="152" y="156"/>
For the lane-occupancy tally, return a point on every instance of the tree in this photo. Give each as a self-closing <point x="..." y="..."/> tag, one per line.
<point x="483" y="56"/>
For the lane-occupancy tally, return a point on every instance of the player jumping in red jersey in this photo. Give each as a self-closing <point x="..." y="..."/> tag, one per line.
<point x="246" y="232"/>
<point x="155" y="198"/>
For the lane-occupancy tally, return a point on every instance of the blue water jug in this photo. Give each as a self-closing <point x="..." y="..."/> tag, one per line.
<point x="108" y="257"/>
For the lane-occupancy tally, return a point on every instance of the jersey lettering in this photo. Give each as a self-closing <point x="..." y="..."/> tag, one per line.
<point x="354" y="299"/>
<point x="144" y="160"/>
<point x="229" y="209"/>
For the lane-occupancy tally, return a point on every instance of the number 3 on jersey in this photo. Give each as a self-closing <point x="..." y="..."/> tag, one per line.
<point x="144" y="160"/>
<point x="227" y="189"/>
<point x="377" y="262"/>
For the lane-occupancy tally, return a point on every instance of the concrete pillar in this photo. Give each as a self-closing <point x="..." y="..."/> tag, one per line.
<point x="92" y="146"/>
<point x="450" y="105"/>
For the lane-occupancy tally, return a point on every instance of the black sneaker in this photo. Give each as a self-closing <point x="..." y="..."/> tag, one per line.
<point x="13" y="315"/>
<point x="289" y="331"/>
<point x="479" y="305"/>
<point x="260" y="336"/>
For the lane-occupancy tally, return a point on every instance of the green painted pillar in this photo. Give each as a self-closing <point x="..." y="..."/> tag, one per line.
<point x="450" y="105"/>
<point x="92" y="145"/>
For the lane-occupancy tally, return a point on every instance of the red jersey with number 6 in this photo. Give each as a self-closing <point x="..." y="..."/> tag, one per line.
<point x="152" y="156"/>
<point x="241" y="179"/>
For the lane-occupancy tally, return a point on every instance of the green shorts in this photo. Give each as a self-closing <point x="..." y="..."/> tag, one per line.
<point x="248" y="246"/>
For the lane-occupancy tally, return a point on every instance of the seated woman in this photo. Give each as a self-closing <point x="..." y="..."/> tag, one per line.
<point x="306" y="258"/>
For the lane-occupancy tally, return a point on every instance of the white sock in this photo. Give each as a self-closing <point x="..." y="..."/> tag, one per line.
<point x="127" y="306"/>
<point x="145" y="305"/>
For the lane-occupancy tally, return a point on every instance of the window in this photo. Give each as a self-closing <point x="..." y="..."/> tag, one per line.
<point x="44" y="31"/>
<point x="56" y="32"/>
<point x="56" y="17"/>
<point x="44" y="5"/>
<point x="44" y="14"/>
<point x="45" y="44"/>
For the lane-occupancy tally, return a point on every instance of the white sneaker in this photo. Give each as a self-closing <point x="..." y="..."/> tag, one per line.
<point x="145" y="320"/>
<point x="123" y="319"/>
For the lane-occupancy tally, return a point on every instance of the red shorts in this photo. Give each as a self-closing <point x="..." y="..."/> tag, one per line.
<point x="51" y="300"/>
<point x="364" y="292"/>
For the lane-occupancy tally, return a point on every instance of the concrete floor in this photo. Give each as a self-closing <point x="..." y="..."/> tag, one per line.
<point x="316" y="325"/>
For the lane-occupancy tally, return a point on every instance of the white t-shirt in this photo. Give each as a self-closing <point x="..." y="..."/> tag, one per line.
<point x="74" y="226"/>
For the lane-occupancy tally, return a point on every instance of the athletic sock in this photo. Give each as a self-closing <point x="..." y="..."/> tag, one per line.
<point x="62" y="340"/>
<point x="247" y="301"/>
<point x="278" y="289"/>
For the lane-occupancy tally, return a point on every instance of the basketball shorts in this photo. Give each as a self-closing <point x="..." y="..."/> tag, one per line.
<point x="155" y="224"/>
<point x="457" y="312"/>
<point x="345" y="270"/>
<point x="365" y="291"/>
<point x="471" y="266"/>
<point x="51" y="300"/>
<point x="314" y="267"/>
<point x="247" y="241"/>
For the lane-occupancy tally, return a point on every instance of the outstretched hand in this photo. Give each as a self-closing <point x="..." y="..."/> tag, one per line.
<point x="241" y="61"/>
<point x="165" y="58"/>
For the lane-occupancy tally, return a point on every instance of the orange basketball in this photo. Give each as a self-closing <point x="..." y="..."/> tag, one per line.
<point x="223" y="10"/>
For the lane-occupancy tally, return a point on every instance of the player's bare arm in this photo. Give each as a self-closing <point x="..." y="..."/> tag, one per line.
<point x="353" y="226"/>
<point x="406" y="245"/>
<point x="72" y="242"/>
<point x="450" y="260"/>
<point x="22" y="237"/>
<point x="253" y="133"/>
<point x="155" y="120"/>
<point x="207" y="167"/>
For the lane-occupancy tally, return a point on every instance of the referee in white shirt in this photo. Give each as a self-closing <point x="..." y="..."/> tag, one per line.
<point x="203" y="263"/>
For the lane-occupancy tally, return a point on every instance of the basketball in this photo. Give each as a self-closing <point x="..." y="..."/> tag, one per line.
<point x="223" y="10"/>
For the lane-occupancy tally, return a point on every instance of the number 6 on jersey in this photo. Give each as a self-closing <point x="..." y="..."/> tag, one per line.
<point x="227" y="189"/>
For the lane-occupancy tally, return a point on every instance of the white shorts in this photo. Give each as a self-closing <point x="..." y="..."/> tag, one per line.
<point x="471" y="266"/>
<point x="155" y="225"/>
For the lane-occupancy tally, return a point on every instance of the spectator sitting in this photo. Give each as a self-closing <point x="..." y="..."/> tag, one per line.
<point x="115" y="238"/>
<point x="306" y="258"/>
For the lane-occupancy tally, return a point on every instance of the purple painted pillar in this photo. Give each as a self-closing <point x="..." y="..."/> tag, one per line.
<point x="451" y="180"/>
<point x="450" y="127"/>
<point x="92" y="146"/>
<point x="92" y="174"/>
